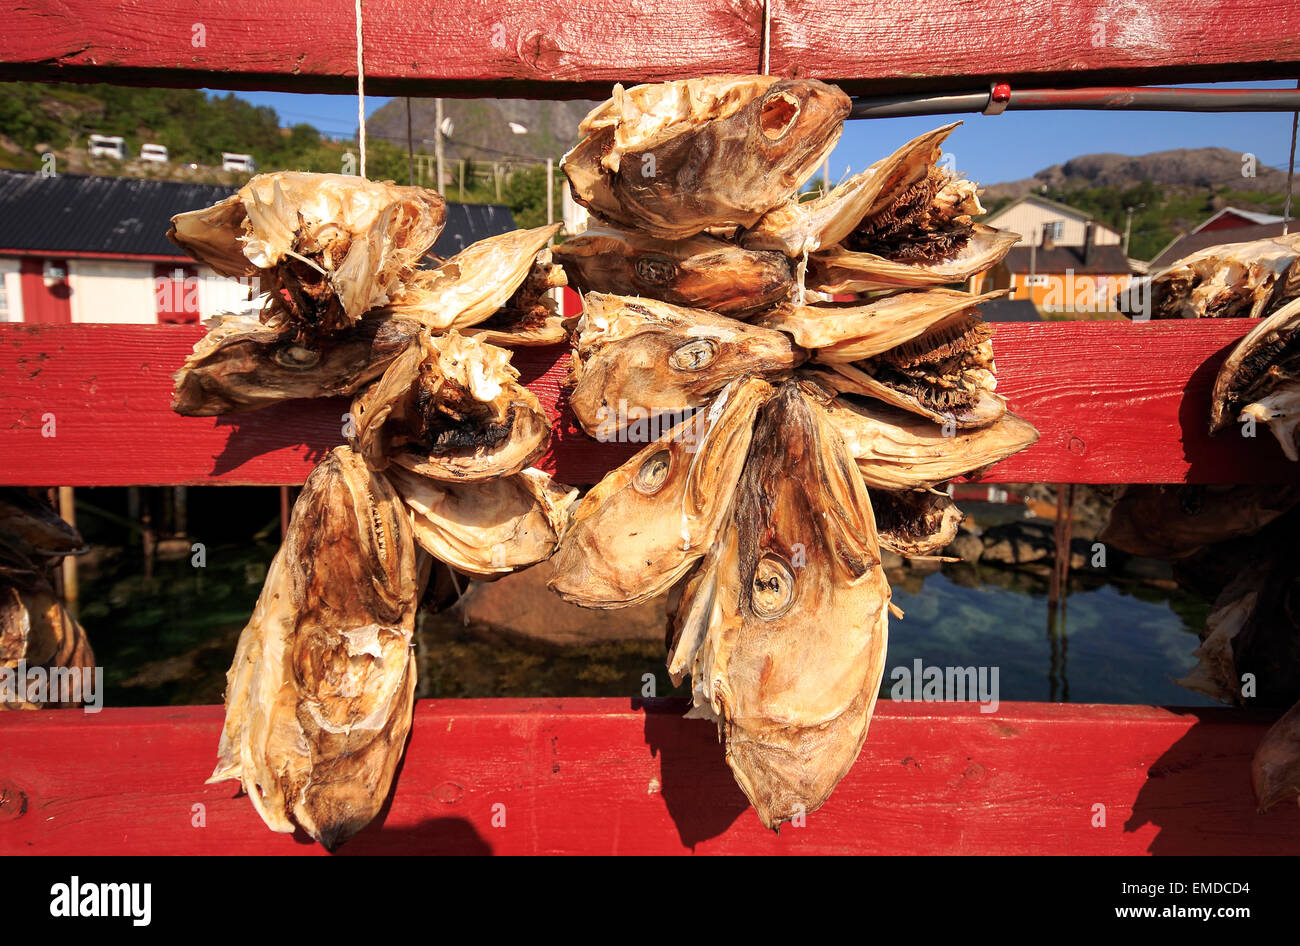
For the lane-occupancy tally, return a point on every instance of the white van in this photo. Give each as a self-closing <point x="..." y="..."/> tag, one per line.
<point x="107" y="146"/>
<point x="237" y="162"/>
<point x="155" y="153"/>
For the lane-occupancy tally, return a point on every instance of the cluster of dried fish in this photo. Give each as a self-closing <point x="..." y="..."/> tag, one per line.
<point x="791" y="438"/>
<point x="1253" y="630"/>
<point x="36" y="632"/>
<point x="319" y="697"/>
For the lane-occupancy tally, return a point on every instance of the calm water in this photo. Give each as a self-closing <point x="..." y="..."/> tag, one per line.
<point x="169" y="638"/>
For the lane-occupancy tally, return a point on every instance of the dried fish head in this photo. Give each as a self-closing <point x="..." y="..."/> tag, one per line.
<point x="242" y="364"/>
<point x="852" y="331"/>
<point x="829" y="219"/>
<point x="478" y="281"/>
<point x="451" y="408"/>
<point x="1175" y="521"/>
<point x="1230" y="280"/>
<point x="676" y="158"/>
<point x="916" y="522"/>
<point x="327" y="247"/>
<point x="636" y="360"/>
<point x="1260" y="380"/>
<point x="897" y="450"/>
<point x="791" y="663"/>
<point x="486" y="528"/>
<point x="1275" y="769"/>
<point x="838" y="269"/>
<point x="646" y="523"/>
<point x="319" y="698"/>
<point x="701" y="272"/>
<point x="37" y="631"/>
<point x="530" y="317"/>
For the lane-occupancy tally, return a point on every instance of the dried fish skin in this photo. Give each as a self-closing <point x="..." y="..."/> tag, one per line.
<point x="474" y="284"/>
<point x="1260" y="380"/>
<point x="644" y="525"/>
<point x="796" y="228"/>
<point x="327" y="247"/>
<point x="320" y="695"/>
<point x="837" y="269"/>
<point x="242" y="364"/>
<point x="852" y="331"/>
<point x="1275" y="768"/>
<point x="636" y="360"/>
<point x="792" y="661"/>
<point x="486" y="528"/>
<point x="676" y="158"/>
<point x="36" y="631"/>
<point x="1231" y="280"/>
<point x="701" y="272"/>
<point x="530" y="317"/>
<point x="451" y="408"/>
<point x="1175" y="521"/>
<point x="32" y="536"/>
<point x="1215" y="674"/>
<point x="915" y="523"/>
<point x="896" y="449"/>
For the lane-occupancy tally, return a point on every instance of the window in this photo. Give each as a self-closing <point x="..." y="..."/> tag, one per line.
<point x="1053" y="229"/>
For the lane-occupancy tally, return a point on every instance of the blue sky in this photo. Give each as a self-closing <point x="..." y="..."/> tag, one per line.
<point x="988" y="149"/>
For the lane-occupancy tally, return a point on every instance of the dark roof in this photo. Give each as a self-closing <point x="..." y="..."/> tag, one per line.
<point x="77" y="213"/>
<point x="1186" y="246"/>
<point x="1010" y="310"/>
<point x="72" y="213"/>
<point x="1108" y="259"/>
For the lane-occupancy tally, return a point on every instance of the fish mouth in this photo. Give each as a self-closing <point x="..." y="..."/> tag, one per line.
<point x="911" y="229"/>
<point x="947" y="369"/>
<point x="452" y="420"/>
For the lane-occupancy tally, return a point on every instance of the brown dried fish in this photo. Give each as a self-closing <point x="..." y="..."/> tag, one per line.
<point x="636" y="360"/>
<point x="646" y="523"/>
<point x="37" y="632"/>
<point x="242" y="364"/>
<point x="838" y="269"/>
<point x="1275" y="770"/>
<point x="676" y="158"/>
<point x="486" y="528"/>
<point x="1230" y="280"/>
<point x="784" y="629"/>
<point x="320" y="695"/>
<point x="1176" y="521"/>
<point x="530" y="317"/>
<point x="896" y="449"/>
<point x="1260" y="380"/>
<point x="700" y="272"/>
<point x="852" y="331"/>
<point x="327" y="247"/>
<point x="451" y="408"/>
<point x="916" y="522"/>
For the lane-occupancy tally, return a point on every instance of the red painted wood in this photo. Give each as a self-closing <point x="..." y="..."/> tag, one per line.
<point x="897" y="44"/>
<point x="620" y="776"/>
<point x="50" y="305"/>
<point x="1114" y="402"/>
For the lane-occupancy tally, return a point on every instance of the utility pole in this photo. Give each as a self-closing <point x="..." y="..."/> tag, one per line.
<point x="462" y="180"/>
<point x="437" y="140"/>
<point x="1128" y="227"/>
<point x="550" y="190"/>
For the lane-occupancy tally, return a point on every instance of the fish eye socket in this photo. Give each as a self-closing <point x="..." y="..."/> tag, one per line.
<point x="777" y="115"/>
<point x="694" y="355"/>
<point x="653" y="473"/>
<point x="772" y="587"/>
<point x="296" y="356"/>
<point x="656" y="270"/>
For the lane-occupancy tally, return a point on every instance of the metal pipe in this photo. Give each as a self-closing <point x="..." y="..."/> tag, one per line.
<point x="1097" y="98"/>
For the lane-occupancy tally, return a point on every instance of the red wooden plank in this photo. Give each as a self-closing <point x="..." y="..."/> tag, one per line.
<point x="412" y="47"/>
<point x="1114" y="402"/>
<point x="581" y="47"/>
<point x="621" y="776"/>
<point x="900" y="45"/>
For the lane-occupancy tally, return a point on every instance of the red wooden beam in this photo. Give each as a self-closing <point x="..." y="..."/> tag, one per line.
<point x="560" y="48"/>
<point x="615" y="776"/>
<point x="1115" y="403"/>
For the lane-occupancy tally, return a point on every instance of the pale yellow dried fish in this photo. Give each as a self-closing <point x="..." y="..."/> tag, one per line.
<point x="320" y="695"/>
<point x="673" y="159"/>
<point x="837" y="269"/>
<point x="797" y="607"/>
<point x="648" y="522"/>
<point x="451" y="408"/>
<point x="327" y="247"/>
<point x="1229" y="280"/>
<point x="637" y="360"/>
<point x="486" y="528"/>
<point x="700" y="272"/>
<point x="1260" y="380"/>
<point x="896" y="449"/>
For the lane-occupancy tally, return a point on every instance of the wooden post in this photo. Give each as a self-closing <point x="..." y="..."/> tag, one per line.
<point x="68" y="513"/>
<point x="410" y="148"/>
<point x="437" y="140"/>
<point x="496" y="176"/>
<point x="462" y="179"/>
<point x="284" y="512"/>
<point x="1057" y="592"/>
<point x="550" y="190"/>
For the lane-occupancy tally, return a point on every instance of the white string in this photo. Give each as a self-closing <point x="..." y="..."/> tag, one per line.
<point x="1290" y="173"/>
<point x="767" y="31"/>
<point x="361" y="95"/>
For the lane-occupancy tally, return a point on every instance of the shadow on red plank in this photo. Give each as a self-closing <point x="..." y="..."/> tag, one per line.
<point x="618" y="776"/>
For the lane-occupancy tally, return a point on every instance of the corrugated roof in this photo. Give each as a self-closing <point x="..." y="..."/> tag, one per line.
<point x="76" y="213"/>
<point x="1108" y="259"/>
<point x="1251" y="215"/>
<point x="1009" y="310"/>
<point x="1186" y="246"/>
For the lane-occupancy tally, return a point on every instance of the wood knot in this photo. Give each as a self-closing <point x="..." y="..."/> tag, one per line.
<point x="449" y="793"/>
<point x="13" y="802"/>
